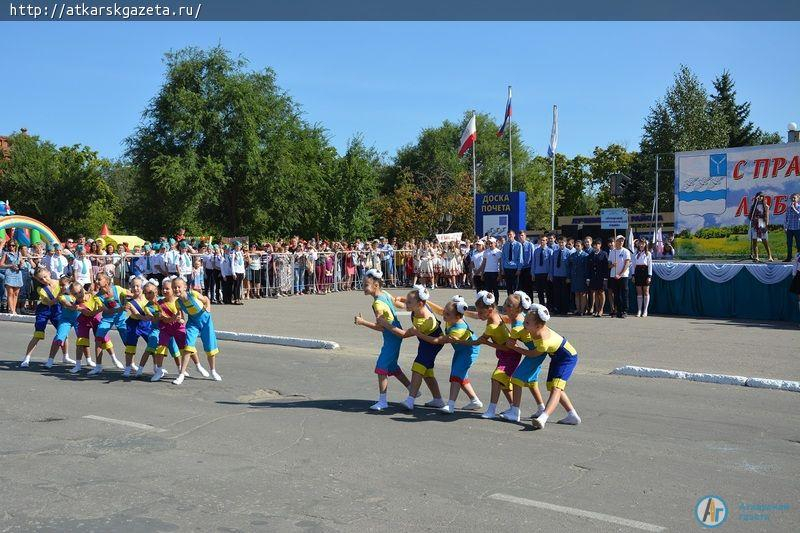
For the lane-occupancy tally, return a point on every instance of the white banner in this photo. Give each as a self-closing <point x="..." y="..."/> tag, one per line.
<point x="449" y="237"/>
<point x="716" y="187"/>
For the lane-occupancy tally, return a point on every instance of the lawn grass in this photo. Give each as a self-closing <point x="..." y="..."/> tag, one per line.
<point x="733" y="247"/>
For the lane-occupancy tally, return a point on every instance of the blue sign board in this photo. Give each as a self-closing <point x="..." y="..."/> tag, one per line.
<point x="498" y="212"/>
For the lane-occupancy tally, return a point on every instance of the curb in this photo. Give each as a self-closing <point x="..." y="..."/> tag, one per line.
<point x="720" y="379"/>
<point x="234" y="336"/>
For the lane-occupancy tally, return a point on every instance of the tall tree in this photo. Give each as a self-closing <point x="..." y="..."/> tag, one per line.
<point x="224" y="149"/>
<point x="64" y="187"/>
<point x="741" y="131"/>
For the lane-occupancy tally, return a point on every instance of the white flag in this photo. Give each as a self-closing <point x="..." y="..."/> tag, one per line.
<point x="468" y="137"/>
<point x="551" y="150"/>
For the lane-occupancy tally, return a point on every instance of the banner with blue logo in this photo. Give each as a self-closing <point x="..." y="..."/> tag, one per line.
<point x="715" y="188"/>
<point x="498" y="212"/>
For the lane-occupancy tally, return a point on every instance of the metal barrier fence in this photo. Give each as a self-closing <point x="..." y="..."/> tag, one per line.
<point x="265" y="274"/>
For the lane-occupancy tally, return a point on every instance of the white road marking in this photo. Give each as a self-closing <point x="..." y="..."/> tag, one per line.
<point x="591" y="515"/>
<point x="128" y="423"/>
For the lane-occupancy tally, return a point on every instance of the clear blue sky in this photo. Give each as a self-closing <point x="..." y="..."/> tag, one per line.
<point x="89" y="82"/>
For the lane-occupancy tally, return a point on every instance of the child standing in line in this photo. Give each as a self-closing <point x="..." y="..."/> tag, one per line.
<point x="172" y="327"/>
<point x="383" y="304"/>
<point x="47" y="310"/>
<point x="197" y="309"/>
<point x="67" y="323"/>
<point x="197" y="281"/>
<point x="423" y="321"/>
<point x="563" y="359"/>
<point x="91" y="312"/>
<point x="151" y="313"/>
<point x="464" y="356"/>
<point x="526" y="375"/>
<point x="507" y="360"/>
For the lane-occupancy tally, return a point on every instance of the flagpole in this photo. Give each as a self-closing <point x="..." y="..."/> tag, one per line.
<point x="553" y="196"/>
<point x="510" y="158"/>
<point x="474" y="176"/>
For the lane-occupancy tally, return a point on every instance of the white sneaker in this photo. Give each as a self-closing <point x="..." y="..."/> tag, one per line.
<point x="571" y="419"/>
<point x="638" y="314"/>
<point x="157" y="375"/>
<point x="96" y="370"/>
<point x="90" y="363"/>
<point x="438" y="403"/>
<point x="127" y="372"/>
<point x="504" y="413"/>
<point x="447" y="410"/>
<point x="408" y="403"/>
<point x="203" y="371"/>
<point x="75" y="369"/>
<point x="538" y="413"/>
<point x="644" y="314"/>
<point x="539" y="422"/>
<point x="379" y="406"/>
<point x="49" y="363"/>
<point x="67" y="360"/>
<point x="139" y="371"/>
<point x="179" y="379"/>
<point x="473" y="405"/>
<point x="25" y="363"/>
<point x="511" y="415"/>
<point x="215" y="376"/>
<point x="117" y="363"/>
<point x="489" y="414"/>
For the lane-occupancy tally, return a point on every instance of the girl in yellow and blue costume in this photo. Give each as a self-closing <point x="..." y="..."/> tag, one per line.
<point x="149" y="313"/>
<point x="383" y="305"/>
<point x="464" y="355"/>
<point x="48" y="309"/>
<point x="526" y="375"/>
<point x="197" y="309"/>
<point x="424" y="321"/>
<point x="563" y="360"/>
<point x="114" y="316"/>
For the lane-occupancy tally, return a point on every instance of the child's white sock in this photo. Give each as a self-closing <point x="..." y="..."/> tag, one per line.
<point x="539" y="410"/>
<point x="451" y="404"/>
<point x="382" y="397"/>
<point x="646" y="304"/>
<point x="639" y="303"/>
<point x="490" y="411"/>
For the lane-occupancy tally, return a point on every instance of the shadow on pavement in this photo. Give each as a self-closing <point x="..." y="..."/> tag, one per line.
<point x="61" y="371"/>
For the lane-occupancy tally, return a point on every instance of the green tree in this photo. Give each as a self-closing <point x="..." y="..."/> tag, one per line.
<point x="64" y="187"/>
<point x="741" y="131"/>
<point x="223" y="149"/>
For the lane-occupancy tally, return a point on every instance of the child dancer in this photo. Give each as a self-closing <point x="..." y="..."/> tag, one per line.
<point x="47" y="310"/>
<point x="199" y="324"/>
<point x="68" y="322"/>
<point x="91" y="311"/>
<point x="563" y="359"/>
<point x="425" y="322"/>
<point x="135" y="326"/>
<point x="150" y="313"/>
<point x="526" y="375"/>
<point x="383" y="304"/>
<point x="114" y="315"/>
<point x="507" y="360"/>
<point x="464" y="356"/>
<point x="171" y="327"/>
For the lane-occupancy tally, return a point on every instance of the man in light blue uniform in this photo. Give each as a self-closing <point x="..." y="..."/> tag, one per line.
<point x="525" y="278"/>
<point x="540" y="270"/>
<point x="511" y="260"/>
<point x="559" y="273"/>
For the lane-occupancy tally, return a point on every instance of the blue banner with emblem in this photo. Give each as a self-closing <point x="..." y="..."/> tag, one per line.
<point x="498" y="212"/>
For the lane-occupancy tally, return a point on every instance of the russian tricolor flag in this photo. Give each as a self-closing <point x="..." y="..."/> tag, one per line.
<point x="507" y="118"/>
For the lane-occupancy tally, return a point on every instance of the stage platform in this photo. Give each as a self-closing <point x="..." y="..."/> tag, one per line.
<point x="739" y="290"/>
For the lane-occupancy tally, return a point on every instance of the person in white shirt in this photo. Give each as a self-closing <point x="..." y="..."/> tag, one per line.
<point x="226" y="273"/>
<point x="642" y="275"/>
<point x="477" y="260"/>
<point x="57" y="263"/>
<point x="183" y="263"/>
<point x="619" y="260"/>
<point x="490" y="269"/>
<point x="82" y="267"/>
<point x="238" y="272"/>
<point x="171" y="258"/>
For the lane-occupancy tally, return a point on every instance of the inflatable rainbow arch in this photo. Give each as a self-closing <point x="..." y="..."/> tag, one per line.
<point x="19" y="221"/>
